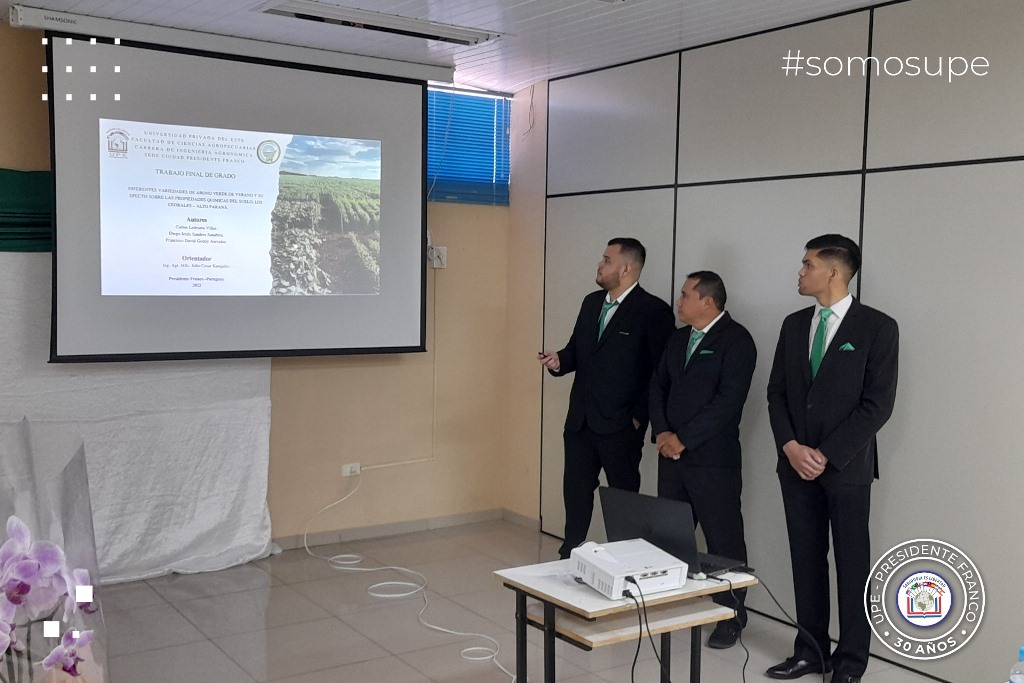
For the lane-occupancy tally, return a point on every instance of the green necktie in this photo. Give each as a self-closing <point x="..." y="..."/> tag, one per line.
<point x="605" y="307"/>
<point x="695" y="336"/>
<point x="818" y="348"/>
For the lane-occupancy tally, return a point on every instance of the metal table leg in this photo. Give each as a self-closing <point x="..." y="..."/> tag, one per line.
<point x="549" y="643"/>
<point x="521" y="636"/>
<point x="666" y="657"/>
<point x="695" y="642"/>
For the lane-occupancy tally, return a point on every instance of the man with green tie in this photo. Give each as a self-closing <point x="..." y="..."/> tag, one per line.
<point x="832" y="386"/>
<point x="617" y="340"/>
<point x="697" y="397"/>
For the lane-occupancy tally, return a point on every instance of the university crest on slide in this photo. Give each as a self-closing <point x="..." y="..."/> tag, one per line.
<point x="117" y="143"/>
<point x="268" y="151"/>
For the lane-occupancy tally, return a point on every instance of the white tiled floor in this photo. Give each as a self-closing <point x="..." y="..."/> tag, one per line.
<point x="294" y="619"/>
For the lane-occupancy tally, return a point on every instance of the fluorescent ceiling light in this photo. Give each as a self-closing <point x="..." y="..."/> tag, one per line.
<point x="326" y="13"/>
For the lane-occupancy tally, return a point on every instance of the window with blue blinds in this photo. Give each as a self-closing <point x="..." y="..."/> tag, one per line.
<point x="467" y="147"/>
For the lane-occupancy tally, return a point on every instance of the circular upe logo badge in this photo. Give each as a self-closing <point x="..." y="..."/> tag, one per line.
<point x="924" y="599"/>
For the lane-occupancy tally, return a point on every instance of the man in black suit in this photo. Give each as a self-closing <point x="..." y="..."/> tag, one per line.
<point x="618" y="338"/>
<point x="697" y="397"/>
<point x="831" y="388"/>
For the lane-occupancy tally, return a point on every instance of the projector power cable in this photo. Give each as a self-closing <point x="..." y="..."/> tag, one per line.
<point x="792" y="621"/>
<point x="403" y="589"/>
<point x="644" y="623"/>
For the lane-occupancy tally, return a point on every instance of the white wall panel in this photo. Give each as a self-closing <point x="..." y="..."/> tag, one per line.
<point x="920" y="119"/>
<point x="741" y="116"/>
<point x="614" y="128"/>
<point x="943" y="248"/>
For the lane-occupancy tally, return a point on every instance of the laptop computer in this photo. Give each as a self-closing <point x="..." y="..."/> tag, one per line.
<point x="663" y="522"/>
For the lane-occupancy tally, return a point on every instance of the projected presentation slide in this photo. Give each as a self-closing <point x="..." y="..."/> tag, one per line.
<point x="191" y="211"/>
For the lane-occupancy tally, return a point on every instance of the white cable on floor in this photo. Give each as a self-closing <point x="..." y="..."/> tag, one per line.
<point x="404" y="589"/>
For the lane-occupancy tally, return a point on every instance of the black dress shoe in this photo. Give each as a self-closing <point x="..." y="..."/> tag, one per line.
<point x="724" y="636"/>
<point x="795" y="667"/>
<point x="839" y="677"/>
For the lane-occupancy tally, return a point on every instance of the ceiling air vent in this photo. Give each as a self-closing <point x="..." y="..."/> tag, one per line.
<point x="325" y="13"/>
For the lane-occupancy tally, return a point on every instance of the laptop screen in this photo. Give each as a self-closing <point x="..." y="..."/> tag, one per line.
<point x="663" y="522"/>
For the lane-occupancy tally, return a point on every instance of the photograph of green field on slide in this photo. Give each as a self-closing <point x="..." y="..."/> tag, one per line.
<point x="325" y="235"/>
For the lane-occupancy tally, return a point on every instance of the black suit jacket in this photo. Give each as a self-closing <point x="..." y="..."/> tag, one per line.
<point x="702" y="401"/>
<point x="849" y="400"/>
<point x="612" y="376"/>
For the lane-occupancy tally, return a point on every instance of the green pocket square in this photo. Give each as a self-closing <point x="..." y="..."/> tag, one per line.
<point x="705" y="352"/>
<point x="847" y="347"/>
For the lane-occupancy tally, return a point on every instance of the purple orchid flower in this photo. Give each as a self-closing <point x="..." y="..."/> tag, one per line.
<point x="34" y="578"/>
<point x="8" y="636"/>
<point x="72" y="580"/>
<point x="19" y="541"/>
<point x="20" y="548"/>
<point x="30" y="573"/>
<point x="66" y="654"/>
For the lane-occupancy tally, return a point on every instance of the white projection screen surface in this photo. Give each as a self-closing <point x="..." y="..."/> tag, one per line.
<point x="215" y="207"/>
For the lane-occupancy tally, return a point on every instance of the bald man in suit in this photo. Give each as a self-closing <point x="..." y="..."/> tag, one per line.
<point x="617" y="340"/>
<point x="832" y="386"/>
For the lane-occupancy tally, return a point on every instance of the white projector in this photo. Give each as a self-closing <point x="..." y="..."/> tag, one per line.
<point x="605" y="568"/>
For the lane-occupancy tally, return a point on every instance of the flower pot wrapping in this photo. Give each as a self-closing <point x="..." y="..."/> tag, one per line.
<point x="51" y="626"/>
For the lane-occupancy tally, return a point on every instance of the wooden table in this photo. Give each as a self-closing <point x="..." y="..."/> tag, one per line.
<point x="588" y="619"/>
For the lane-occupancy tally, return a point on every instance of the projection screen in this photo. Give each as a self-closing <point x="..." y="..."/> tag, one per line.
<point x="210" y="206"/>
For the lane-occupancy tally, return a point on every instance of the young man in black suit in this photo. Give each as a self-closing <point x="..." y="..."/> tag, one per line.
<point x="618" y="338"/>
<point x="831" y="388"/>
<point x="697" y="397"/>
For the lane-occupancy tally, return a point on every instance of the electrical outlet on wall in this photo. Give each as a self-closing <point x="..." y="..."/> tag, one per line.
<point x="438" y="257"/>
<point x="350" y="470"/>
